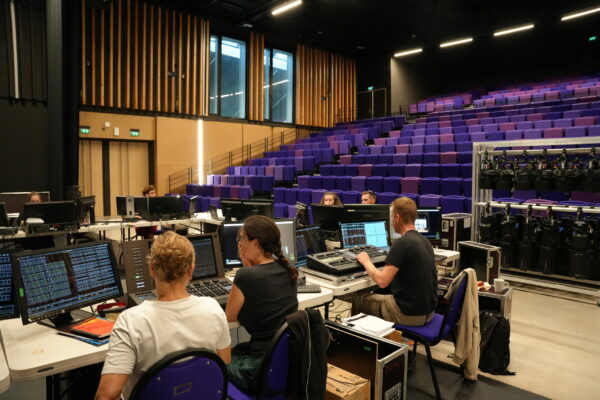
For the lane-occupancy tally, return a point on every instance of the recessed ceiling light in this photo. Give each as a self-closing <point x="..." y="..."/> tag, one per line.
<point x="286" y="6"/>
<point x="456" y="42"/>
<point x="579" y="14"/>
<point x="513" y="30"/>
<point x="408" y="52"/>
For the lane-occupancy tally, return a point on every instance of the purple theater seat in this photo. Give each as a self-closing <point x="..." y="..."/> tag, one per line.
<point x="445" y="147"/>
<point x="305" y="196"/>
<point x="351" y="170"/>
<point x="358" y="183"/>
<point x="303" y="180"/>
<point x="413" y="196"/>
<point x="386" y="197"/>
<point x="464" y="157"/>
<point x="448" y="157"/>
<point x="364" y="150"/>
<point x="416" y="158"/>
<point x="317" y="195"/>
<point x="430" y="170"/>
<point x="588" y="197"/>
<point x="400" y="158"/>
<point x="584" y="121"/>
<point x="501" y="120"/>
<point x="385" y="159"/>
<point x="451" y="186"/>
<point x="396" y="170"/>
<point x="466" y="170"/>
<point x="328" y="182"/>
<point x="315" y="182"/>
<point x="446" y="138"/>
<point x="513" y="135"/>
<point x="475" y="129"/>
<point x="532" y="134"/>
<point x="202" y="204"/>
<point x="391" y="141"/>
<point x="429" y="200"/>
<point x="431" y="148"/>
<point x="225" y="191"/>
<point x="365" y="170"/>
<point x="214" y="201"/>
<point x="575" y="131"/>
<point x="245" y="192"/>
<point x="379" y="142"/>
<point x="462" y="137"/>
<point x="325" y="169"/>
<point x="418" y="140"/>
<point x="402" y="148"/>
<point x="291" y="195"/>
<point x="453" y="204"/>
<point x="410" y="184"/>
<point x="430" y="185"/>
<point x="419" y="132"/>
<point x="279" y="195"/>
<point x="478" y="137"/>
<point x="517" y="118"/>
<point x="434" y="139"/>
<point x="371" y="159"/>
<point x="525" y="125"/>
<point x="375" y="150"/>
<point x="374" y="183"/>
<point x="343" y="183"/>
<point x="525" y="194"/>
<point x="490" y="128"/>
<point x="494" y="136"/>
<point x="388" y="149"/>
<point x="562" y="123"/>
<point x="391" y="184"/>
<point x="553" y="133"/>
<point x="380" y="170"/>
<point x="412" y="170"/>
<point x="467" y="187"/>
<point x="280" y="210"/>
<point x="507" y="126"/>
<point x="593" y="130"/>
<point x="337" y="170"/>
<point x="350" y="197"/>
<point x="346" y="159"/>
<point x="429" y="158"/>
<point x="415" y="149"/>
<point x="449" y="170"/>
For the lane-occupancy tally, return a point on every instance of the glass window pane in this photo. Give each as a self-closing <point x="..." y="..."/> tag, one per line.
<point x="213" y="75"/>
<point x="267" y="81"/>
<point x="282" y="86"/>
<point x="233" y="78"/>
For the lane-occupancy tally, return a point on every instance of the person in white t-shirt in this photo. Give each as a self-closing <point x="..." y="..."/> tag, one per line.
<point x="145" y="334"/>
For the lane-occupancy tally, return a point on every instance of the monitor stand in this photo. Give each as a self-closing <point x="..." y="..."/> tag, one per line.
<point x="65" y="319"/>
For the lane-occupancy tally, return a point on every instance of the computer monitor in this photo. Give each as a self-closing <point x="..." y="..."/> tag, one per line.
<point x="429" y="224"/>
<point x="8" y="304"/>
<point x="165" y="207"/>
<point x="308" y="241"/>
<point x="209" y="259"/>
<point x="366" y="212"/>
<point x="52" y="282"/>
<point x="140" y="206"/>
<point x="229" y="232"/>
<point x="15" y="200"/>
<point x="258" y="207"/>
<point x="327" y="217"/>
<point x="85" y="210"/>
<point x="231" y="208"/>
<point x="371" y="233"/>
<point x="3" y="216"/>
<point x="52" y="212"/>
<point x="287" y="230"/>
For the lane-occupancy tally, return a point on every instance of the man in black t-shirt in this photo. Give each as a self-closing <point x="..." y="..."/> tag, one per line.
<point x="409" y="273"/>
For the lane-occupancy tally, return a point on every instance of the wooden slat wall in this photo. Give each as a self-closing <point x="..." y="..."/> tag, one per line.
<point x="139" y="56"/>
<point x="256" y="77"/>
<point x="325" y="86"/>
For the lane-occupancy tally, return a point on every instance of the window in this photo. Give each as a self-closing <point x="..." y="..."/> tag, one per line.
<point x="227" y="90"/>
<point x="279" y="86"/>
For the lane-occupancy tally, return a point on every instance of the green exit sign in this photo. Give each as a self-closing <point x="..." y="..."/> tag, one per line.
<point x="592" y="38"/>
<point x="84" y="130"/>
<point x="134" y="132"/>
<point x="370" y="88"/>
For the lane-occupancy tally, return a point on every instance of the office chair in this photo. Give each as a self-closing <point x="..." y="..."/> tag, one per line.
<point x="438" y="328"/>
<point x="272" y="375"/>
<point x="203" y="376"/>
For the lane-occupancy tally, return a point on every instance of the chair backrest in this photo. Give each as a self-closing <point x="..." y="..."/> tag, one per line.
<point x="456" y="303"/>
<point x="203" y="375"/>
<point x="273" y="373"/>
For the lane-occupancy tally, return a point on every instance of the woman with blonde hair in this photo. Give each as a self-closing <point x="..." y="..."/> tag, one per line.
<point x="175" y="321"/>
<point x="331" y="199"/>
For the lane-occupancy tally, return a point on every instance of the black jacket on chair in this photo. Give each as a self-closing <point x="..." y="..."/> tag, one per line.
<point x="308" y="355"/>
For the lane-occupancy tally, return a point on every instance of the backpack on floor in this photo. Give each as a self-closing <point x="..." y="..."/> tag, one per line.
<point x="495" y="337"/>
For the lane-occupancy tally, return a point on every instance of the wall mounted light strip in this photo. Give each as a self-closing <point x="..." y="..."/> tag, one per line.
<point x="286" y="7"/>
<point x="15" y="48"/>
<point x="456" y="42"/>
<point x="579" y="14"/>
<point x="408" y="52"/>
<point x="513" y="30"/>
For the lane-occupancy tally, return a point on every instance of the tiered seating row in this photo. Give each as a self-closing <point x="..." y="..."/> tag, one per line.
<point x="257" y="183"/>
<point x="445" y="103"/>
<point x="450" y="157"/>
<point x="422" y="170"/>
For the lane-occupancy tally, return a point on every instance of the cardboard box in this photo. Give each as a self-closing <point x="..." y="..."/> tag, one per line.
<point x="342" y="384"/>
<point x="396" y="336"/>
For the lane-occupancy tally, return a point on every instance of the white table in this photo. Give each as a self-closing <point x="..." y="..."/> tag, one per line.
<point x="4" y="372"/>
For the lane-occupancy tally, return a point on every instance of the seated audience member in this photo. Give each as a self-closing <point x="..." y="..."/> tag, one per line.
<point x="368" y="197"/>
<point x="149" y="191"/>
<point x="32" y="197"/>
<point x="409" y="273"/>
<point x="174" y="322"/>
<point x="262" y="295"/>
<point x="331" y="199"/>
<point x="147" y="232"/>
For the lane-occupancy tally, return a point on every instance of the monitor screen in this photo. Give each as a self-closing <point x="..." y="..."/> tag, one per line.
<point x="55" y="281"/>
<point x="287" y="230"/>
<point x="229" y="231"/>
<point x="15" y="200"/>
<point x="209" y="263"/>
<point x="308" y="241"/>
<point x="258" y="207"/>
<point x="53" y="212"/>
<point x="372" y="233"/>
<point x="84" y="210"/>
<point x="8" y="307"/>
<point x="165" y="206"/>
<point x="366" y="212"/>
<point x="327" y="217"/>
<point x="140" y="206"/>
<point x="3" y="216"/>
<point x="428" y="224"/>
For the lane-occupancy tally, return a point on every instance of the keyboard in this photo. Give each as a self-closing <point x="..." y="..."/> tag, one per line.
<point x="309" y="288"/>
<point x="218" y="289"/>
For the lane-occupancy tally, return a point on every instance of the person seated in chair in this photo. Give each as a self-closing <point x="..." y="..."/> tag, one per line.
<point x="263" y="294"/>
<point x="147" y="232"/>
<point x="409" y="274"/>
<point x="331" y="199"/>
<point x="368" y="197"/>
<point x="176" y="321"/>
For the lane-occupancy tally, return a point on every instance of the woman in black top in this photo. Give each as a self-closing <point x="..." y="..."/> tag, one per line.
<point x="263" y="294"/>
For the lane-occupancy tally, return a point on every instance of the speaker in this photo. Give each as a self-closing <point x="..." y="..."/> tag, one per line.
<point x="130" y="207"/>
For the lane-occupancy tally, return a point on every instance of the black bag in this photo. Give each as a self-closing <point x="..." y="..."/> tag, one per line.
<point x="494" y="355"/>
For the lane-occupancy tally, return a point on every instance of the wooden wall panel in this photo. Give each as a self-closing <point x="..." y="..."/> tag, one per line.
<point x="140" y="56"/>
<point x="90" y="172"/>
<point x="325" y="87"/>
<point x="128" y="170"/>
<point x="256" y="77"/>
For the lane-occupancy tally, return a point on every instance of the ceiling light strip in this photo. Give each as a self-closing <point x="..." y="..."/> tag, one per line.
<point x="514" y="30"/>
<point x="456" y="42"/>
<point x="408" y="52"/>
<point x="286" y="7"/>
<point x="579" y="14"/>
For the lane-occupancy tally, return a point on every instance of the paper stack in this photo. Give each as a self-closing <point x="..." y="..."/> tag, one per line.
<point x="370" y="324"/>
